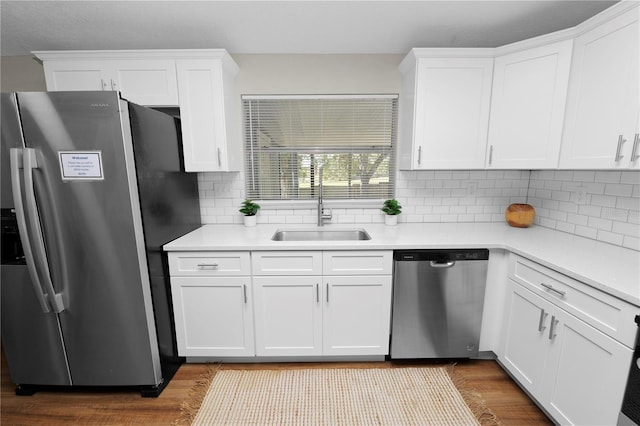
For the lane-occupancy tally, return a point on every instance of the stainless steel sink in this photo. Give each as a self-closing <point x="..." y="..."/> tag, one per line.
<point x="321" y="235"/>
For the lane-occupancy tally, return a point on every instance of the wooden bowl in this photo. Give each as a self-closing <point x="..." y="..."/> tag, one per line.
<point x="520" y="215"/>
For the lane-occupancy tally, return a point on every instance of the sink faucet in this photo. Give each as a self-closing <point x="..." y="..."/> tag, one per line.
<point x="322" y="216"/>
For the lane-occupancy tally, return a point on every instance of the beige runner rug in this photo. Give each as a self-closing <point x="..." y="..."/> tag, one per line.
<point x="341" y="396"/>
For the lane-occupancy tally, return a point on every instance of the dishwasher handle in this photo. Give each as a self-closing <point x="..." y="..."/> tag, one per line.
<point x="439" y="264"/>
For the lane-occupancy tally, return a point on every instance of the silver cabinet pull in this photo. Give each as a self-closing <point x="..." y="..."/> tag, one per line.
<point x="552" y="328"/>
<point x="327" y="292"/>
<point x="634" y="151"/>
<point x="114" y="86"/>
<point x="207" y="265"/>
<point x="543" y="317"/>
<point x="103" y="83"/>
<point x="419" y="154"/>
<point x="555" y="290"/>
<point x="317" y="293"/>
<point x="244" y="292"/>
<point x="621" y="141"/>
<point x="219" y="158"/>
<point x="490" y="154"/>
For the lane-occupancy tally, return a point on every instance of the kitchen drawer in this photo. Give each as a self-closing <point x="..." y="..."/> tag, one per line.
<point x="209" y="264"/>
<point x="287" y="263"/>
<point x="375" y="262"/>
<point x="604" y="312"/>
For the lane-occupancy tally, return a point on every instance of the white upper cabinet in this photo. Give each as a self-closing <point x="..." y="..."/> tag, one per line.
<point x="527" y="105"/>
<point x="208" y="113"/>
<point x="445" y="108"/>
<point x="601" y="122"/>
<point x="201" y="82"/>
<point x="141" y="78"/>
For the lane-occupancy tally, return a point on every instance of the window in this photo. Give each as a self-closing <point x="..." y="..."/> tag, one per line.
<point x="352" y="137"/>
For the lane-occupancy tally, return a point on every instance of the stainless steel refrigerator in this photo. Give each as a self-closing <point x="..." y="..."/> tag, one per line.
<point x="92" y="187"/>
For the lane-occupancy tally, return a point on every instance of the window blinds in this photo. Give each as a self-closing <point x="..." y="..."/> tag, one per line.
<point x="352" y="137"/>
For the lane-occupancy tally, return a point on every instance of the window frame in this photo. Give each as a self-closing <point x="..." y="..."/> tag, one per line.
<point x="250" y="140"/>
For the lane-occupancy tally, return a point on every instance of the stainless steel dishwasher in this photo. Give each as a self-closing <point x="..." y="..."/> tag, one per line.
<point x="438" y="297"/>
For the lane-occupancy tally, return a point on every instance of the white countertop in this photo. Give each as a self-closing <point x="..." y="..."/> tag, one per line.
<point x="609" y="268"/>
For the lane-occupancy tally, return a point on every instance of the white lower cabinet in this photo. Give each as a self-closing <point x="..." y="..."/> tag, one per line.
<point x="212" y="303"/>
<point x="213" y="316"/>
<point x="288" y="314"/>
<point x="302" y="303"/>
<point x="576" y="372"/>
<point x="302" y="309"/>
<point x="356" y="315"/>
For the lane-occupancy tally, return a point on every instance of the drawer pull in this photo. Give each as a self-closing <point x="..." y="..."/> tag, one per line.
<point x="207" y="265"/>
<point x="552" y="329"/>
<point x="317" y="293"/>
<point x="327" y="292"/>
<point x="550" y="288"/>
<point x="244" y="291"/>
<point x="543" y="317"/>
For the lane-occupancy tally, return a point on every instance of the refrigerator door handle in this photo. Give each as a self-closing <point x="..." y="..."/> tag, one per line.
<point x="16" y="165"/>
<point x="29" y="163"/>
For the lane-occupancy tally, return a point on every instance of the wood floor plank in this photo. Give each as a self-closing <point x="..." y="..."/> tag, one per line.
<point x="501" y="394"/>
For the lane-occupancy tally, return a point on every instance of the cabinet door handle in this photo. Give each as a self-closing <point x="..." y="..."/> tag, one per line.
<point x="490" y="154"/>
<point x="419" y="155"/>
<point x="543" y="317"/>
<point x="244" y="292"/>
<point x="207" y="265"/>
<point x="552" y="328"/>
<point x="103" y="83"/>
<point x="114" y="86"/>
<point x="317" y="293"/>
<point x="327" y="292"/>
<point x="621" y="141"/>
<point x="219" y="158"/>
<point x="634" y="151"/>
<point x="555" y="290"/>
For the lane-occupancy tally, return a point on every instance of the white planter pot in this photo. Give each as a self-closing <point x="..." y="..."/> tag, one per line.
<point x="250" y="220"/>
<point x="390" y="220"/>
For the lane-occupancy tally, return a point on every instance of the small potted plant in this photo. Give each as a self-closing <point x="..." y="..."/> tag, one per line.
<point x="249" y="209"/>
<point x="391" y="209"/>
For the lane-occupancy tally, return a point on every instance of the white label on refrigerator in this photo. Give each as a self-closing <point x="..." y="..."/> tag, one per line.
<point x="81" y="165"/>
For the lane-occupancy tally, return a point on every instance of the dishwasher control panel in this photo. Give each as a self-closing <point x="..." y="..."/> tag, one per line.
<point x="440" y="255"/>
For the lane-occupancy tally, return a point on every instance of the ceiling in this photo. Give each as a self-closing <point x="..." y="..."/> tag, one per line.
<point x="282" y="27"/>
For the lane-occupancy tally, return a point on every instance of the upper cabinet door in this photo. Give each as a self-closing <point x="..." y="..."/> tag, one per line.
<point x="76" y="75"/>
<point x="445" y="112"/>
<point x="602" y="105"/>
<point x="527" y="107"/>
<point x="146" y="82"/>
<point x="207" y="111"/>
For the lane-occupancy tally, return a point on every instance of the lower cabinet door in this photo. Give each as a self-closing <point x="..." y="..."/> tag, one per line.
<point x="357" y="314"/>
<point x="525" y="333"/>
<point x="288" y="315"/>
<point x="586" y="374"/>
<point x="213" y="316"/>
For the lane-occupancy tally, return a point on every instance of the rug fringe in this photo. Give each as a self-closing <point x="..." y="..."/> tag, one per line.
<point x="473" y="399"/>
<point x="189" y="409"/>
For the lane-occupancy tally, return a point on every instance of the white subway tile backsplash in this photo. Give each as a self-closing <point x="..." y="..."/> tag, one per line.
<point x="601" y="205"/>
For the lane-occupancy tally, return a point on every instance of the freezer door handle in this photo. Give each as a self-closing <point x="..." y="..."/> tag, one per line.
<point x="16" y="165"/>
<point x="38" y="262"/>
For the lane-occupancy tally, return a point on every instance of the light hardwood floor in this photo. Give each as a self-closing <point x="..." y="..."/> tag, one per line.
<point x="499" y="392"/>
